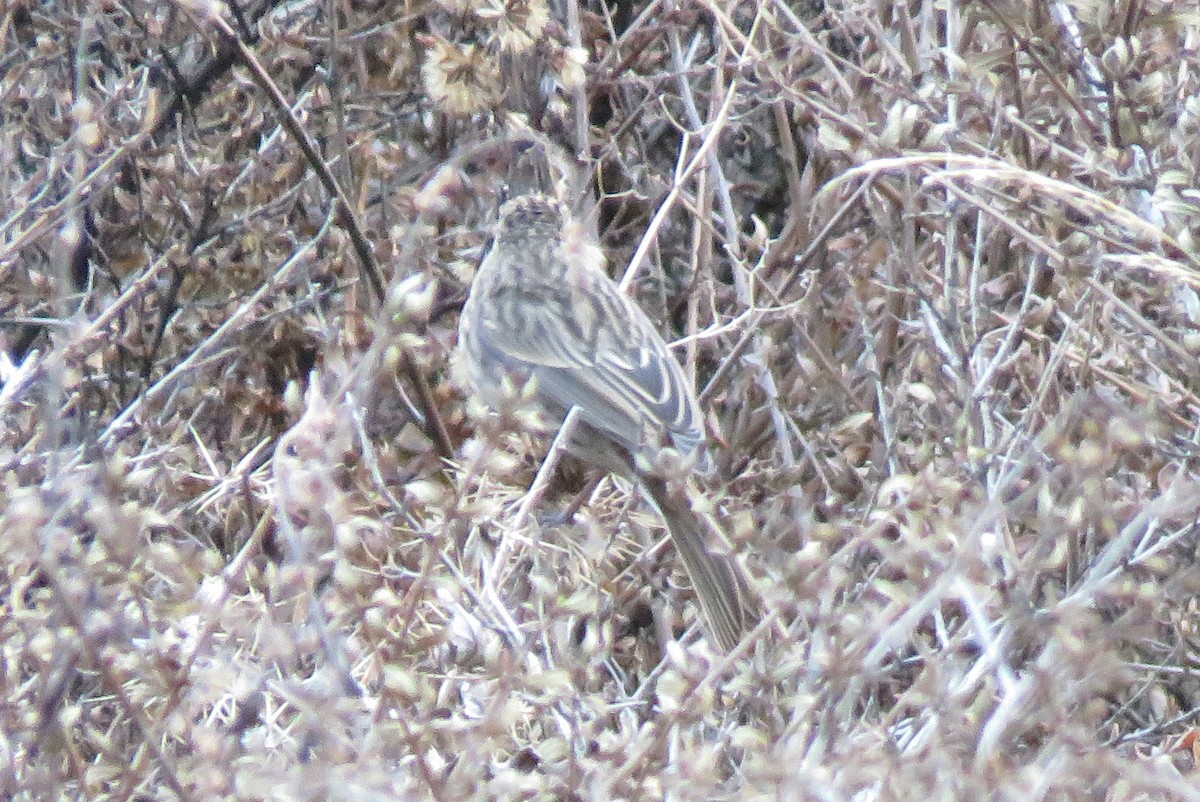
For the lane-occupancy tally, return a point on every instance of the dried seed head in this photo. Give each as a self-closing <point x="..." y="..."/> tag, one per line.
<point x="460" y="79"/>
<point x="520" y="24"/>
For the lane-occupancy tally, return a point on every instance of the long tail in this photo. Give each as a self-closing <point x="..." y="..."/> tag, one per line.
<point x="723" y="593"/>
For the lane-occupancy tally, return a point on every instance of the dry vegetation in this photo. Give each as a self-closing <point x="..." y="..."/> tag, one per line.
<point x="933" y="266"/>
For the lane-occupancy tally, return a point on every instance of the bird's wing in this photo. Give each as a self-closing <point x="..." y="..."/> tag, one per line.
<point x="604" y="358"/>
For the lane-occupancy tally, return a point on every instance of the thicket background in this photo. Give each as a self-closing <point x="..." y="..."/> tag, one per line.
<point x="933" y="266"/>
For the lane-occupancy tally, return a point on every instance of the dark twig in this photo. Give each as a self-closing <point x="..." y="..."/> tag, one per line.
<point x="346" y="217"/>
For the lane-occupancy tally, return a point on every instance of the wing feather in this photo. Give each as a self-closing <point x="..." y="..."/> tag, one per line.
<point x="608" y="360"/>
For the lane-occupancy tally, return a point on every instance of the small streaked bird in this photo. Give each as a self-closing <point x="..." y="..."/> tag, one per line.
<point x="542" y="308"/>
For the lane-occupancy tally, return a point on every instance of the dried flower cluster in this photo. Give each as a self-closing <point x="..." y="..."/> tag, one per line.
<point x="482" y="62"/>
<point x="932" y="266"/>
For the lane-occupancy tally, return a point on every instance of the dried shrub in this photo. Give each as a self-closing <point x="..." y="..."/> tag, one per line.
<point x="933" y="267"/>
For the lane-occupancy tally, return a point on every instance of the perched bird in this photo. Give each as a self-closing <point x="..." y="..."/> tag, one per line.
<point x="542" y="308"/>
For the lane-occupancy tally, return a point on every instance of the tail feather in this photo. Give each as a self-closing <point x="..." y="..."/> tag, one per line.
<point x="717" y="578"/>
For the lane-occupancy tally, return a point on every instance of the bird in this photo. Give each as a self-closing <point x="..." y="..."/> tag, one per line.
<point x="543" y="309"/>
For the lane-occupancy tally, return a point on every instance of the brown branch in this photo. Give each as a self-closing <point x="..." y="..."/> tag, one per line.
<point x="346" y="218"/>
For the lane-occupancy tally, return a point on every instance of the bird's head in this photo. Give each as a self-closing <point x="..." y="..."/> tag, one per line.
<point x="533" y="217"/>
